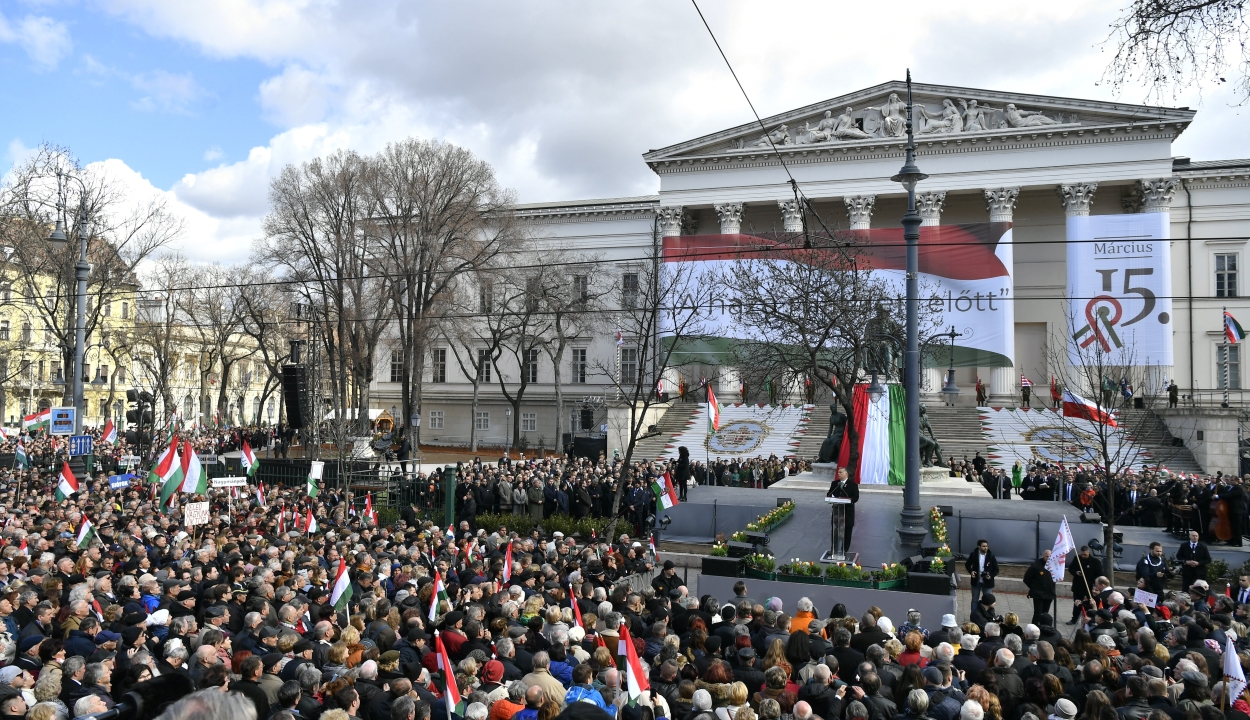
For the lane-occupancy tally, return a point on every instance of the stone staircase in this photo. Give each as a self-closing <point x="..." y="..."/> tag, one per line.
<point x="817" y="431"/>
<point x="1152" y="435"/>
<point x="958" y="430"/>
<point x="673" y="422"/>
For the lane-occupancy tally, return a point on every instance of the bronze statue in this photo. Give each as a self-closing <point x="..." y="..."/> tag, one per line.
<point x="833" y="443"/>
<point x="930" y="448"/>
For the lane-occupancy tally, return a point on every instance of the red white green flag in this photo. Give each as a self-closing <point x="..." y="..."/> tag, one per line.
<point x="507" y="563"/>
<point x="341" y="593"/>
<point x="713" y="412"/>
<point x="665" y="493"/>
<point x="66" y="484"/>
<point x="37" y="421"/>
<point x="86" y="533"/>
<point x="109" y="436"/>
<point x="248" y="459"/>
<point x="451" y="699"/>
<point x="636" y="679"/>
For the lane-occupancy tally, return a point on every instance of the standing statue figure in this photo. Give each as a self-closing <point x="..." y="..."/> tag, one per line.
<point x="951" y="121"/>
<point x="930" y="448"/>
<point x="833" y="443"/>
<point x="1026" y="118"/>
<point x="974" y="115"/>
<point x="846" y="130"/>
<point x="894" y="124"/>
<point x="780" y="136"/>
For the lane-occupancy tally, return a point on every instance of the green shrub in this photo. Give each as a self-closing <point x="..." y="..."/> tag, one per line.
<point x="387" y="516"/>
<point x="720" y="550"/>
<point x="1218" y="569"/>
<point x="524" y="524"/>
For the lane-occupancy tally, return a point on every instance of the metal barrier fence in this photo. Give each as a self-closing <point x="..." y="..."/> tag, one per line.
<point x="638" y="582"/>
<point x="384" y="481"/>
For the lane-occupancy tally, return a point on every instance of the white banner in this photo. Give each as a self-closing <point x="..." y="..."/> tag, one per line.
<point x="196" y="513"/>
<point x="226" y="482"/>
<point x="315" y="469"/>
<point x="1120" y="288"/>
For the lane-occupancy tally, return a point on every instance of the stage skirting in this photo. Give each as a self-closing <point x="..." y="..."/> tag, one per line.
<point x="824" y="597"/>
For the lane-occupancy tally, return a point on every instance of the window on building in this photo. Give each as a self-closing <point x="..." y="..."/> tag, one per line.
<point x="481" y="420"/>
<point x="187" y="410"/>
<point x="483" y="365"/>
<point x="104" y="371"/>
<point x="104" y="408"/>
<point x="108" y="312"/>
<point x="256" y="410"/>
<point x="579" y="365"/>
<point x="119" y="411"/>
<point x="1226" y="275"/>
<point x="486" y="298"/>
<point x="1228" y="367"/>
<point x="7" y="293"/>
<point x="581" y="290"/>
<point x="438" y="365"/>
<point x="4" y="329"/>
<point x="121" y="378"/>
<point x="531" y="365"/>
<point x="23" y="371"/>
<point x="629" y="290"/>
<point x="125" y="310"/>
<point x="40" y="376"/>
<point x="533" y="293"/>
<point x="529" y="422"/>
<point x="629" y="365"/>
<point x="55" y="369"/>
<point x="86" y="372"/>
<point x="436" y="420"/>
<point x="397" y="366"/>
<point x="26" y="332"/>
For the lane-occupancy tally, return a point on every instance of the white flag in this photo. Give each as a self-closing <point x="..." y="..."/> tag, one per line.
<point x="1064" y="544"/>
<point x="1234" y="678"/>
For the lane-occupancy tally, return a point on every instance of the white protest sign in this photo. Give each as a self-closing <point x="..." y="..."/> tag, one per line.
<point x="195" y="514"/>
<point x="1142" y="597"/>
<point x="226" y="482"/>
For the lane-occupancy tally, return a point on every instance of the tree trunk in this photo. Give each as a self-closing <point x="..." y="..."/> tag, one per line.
<point x="555" y="366"/>
<point x="473" y="418"/>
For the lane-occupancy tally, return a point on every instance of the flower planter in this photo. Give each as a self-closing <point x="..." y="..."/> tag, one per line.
<point x="898" y="584"/>
<point x="848" y="583"/>
<point x="760" y="574"/>
<point x="809" y="579"/>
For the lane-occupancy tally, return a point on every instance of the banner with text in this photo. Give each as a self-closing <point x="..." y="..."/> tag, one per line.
<point x="965" y="280"/>
<point x="1120" y="289"/>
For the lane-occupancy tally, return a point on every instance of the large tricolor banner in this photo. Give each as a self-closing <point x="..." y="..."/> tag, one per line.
<point x="965" y="280"/>
<point x="1120" y="289"/>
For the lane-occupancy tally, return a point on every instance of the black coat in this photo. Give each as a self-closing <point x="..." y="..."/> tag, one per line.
<point x="973" y="566"/>
<point x="849" y="490"/>
<point x="1039" y="581"/>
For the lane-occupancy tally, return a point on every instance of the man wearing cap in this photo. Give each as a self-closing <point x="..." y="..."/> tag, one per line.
<point x="28" y="654"/>
<point x="1065" y="709"/>
<point x="746" y="672"/>
<point x="667" y="580"/>
<point x="1193" y="557"/>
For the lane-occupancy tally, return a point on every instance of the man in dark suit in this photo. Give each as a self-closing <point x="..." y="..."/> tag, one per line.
<point x="747" y="673"/>
<point x="845" y="487"/>
<point x="982" y="568"/>
<point x="1235" y="495"/>
<point x="1193" y="557"/>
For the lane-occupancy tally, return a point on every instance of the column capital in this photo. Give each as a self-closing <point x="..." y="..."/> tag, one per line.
<point x="791" y="215"/>
<point x="670" y="220"/>
<point x="1155" y="195"/>
<point x="1076" y="198"/>
<point x="1001" y="203"/>
<point x="730" y="215"/>
<point x="929" y="205"/>
<point x="859" y="208"/>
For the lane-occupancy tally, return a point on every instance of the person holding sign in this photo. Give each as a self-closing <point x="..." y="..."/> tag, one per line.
<point x="1194" y="558"/>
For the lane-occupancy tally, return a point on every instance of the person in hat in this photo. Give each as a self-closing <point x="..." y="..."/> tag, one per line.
<point x="1065" y="709"/>
<point x="667" y="580"/>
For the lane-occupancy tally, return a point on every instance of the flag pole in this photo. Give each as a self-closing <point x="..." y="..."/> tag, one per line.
<point x="1223" y="319"/>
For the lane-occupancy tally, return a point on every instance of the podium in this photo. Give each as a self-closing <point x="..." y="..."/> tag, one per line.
<point x="837" y="530"/>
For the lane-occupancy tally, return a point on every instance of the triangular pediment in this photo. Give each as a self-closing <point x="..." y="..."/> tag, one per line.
<point x="876" y="115"/>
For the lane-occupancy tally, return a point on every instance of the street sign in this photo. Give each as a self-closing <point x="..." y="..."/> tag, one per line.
<point x="79" y="445"/>
<point x="196" y="513"/>
<point x="62" y="421"/>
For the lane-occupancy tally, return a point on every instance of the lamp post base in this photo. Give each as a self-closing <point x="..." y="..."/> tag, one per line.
<point x="912" y="530"/>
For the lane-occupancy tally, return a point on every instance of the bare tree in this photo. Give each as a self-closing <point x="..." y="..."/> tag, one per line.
<point x="520" y="329"/>
<point x="1172" y="45"/>
<point x="468" y="332"/>
<point x="216" y="317"/>
<point x="573" y="300"/>
<point x="160" y="333"/>
<point x="265" y="318"/>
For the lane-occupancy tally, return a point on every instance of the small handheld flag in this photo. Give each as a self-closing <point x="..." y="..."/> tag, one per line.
<point x="66" y="484"/>
<point x="85" y="533"/>
<point x="341" y="593"/>
<point x="451" y="699"/>
<point x="577" y="610"/>
<point x="314" y="474"/>
<point x="248" y="459"/>
<point x="310" y="524"/>
<point x="636" y="679"/>
<point x="370" y="515"/>
<point x="109" y="436"/>
<point x="507" y="563"/>
<point x="713" y="412"/>
<point x="654" y="554"/>
<point x="437" y="597"/>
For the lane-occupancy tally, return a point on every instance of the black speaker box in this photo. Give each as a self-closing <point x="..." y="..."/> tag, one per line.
<point x="739" y="549"/>
<point x="295" y="394"/>
<point x="720" y="566"/>
<point x="929" y="583"/>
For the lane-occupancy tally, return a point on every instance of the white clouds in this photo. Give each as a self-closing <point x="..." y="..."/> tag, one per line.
<point x="45" y="40"/>
<point x="296" y="97"/>
<point x="165" y="91"/>
<point x="213" y="154"/>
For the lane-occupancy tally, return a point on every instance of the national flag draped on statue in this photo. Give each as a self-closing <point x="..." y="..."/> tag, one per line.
<point x="1075" y="406"/>
<point x="314" y="474"/>
<point x="1232" y="328"/>
<point x="664" y="492"/>
<point x="1064" y="544"/>
<point x="341" y="593"/>
<point x="37" y="421"/>
<point x="879" y="427"/>
<point x="66" y="484"/>
<point x="713" y="412"/>
<point x="85" y="533"/>
<point x="636" y="679"/>
<point x="194" y="479"/>
<point x="451" y="699"/>
<point x="248" y="459"/>
<point x="109" y="436"/>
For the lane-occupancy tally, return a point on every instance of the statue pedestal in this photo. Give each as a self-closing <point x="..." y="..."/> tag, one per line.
<point x="934" y="474"/>
<point x="824" y="472"/>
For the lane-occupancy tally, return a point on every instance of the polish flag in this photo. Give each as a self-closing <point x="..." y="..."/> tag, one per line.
<point x="1075" y="406"/>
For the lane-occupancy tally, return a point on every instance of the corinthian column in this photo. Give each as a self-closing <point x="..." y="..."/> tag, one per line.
<point x="1156" y="195"/>
<point x="730" y="215"/>
<point x="791" y="215"/>
<point x="1001" y="203"/>
<point x="670" y="220"/>
<point x="929" y="205"/>
<point x="1076" y="198"/>
<point x="859" y="208"/>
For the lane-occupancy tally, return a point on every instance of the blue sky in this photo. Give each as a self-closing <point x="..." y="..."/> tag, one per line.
<point x="202" y="102"/>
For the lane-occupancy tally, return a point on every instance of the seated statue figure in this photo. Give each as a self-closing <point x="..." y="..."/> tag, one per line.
<point x="930" y="448"/>
<point x="833" y="442"/>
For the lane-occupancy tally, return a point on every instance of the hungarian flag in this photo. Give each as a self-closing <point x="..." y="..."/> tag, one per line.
<point x="880" y="428"/>
<point x="713" y="412"/>
<point x="66" y="484"/>
<point x="636" y="679"/>
<point x="109" y="436"/>
<point x="654" y="554"/>
<point x="167" y="474"/>
<point x="314" y="474"/>
<point x="194" y="479"/>
<point x="437" y="597"/>
<point x="1075" y="406"/>
<point x="507" y="563"/>
<point x="341" y="593"/>
<point x="282" y="520"/>
<point x="86" y="533"/>
<point x="248" y="459"/>
<point x="20" y="459"/>
<point x="310" y="523"/>
<point x="577" y="611"/>
<point x="369" y="514"/>
<point x="260" y="494"/>
<point x="1232" y="328"/>
<point x="451" y="699"/>
<point x="665" y="494"/>
<point x="37" y="421"/>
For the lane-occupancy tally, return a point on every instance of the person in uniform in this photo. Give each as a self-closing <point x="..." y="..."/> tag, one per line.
<point x="845" y="487"/>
